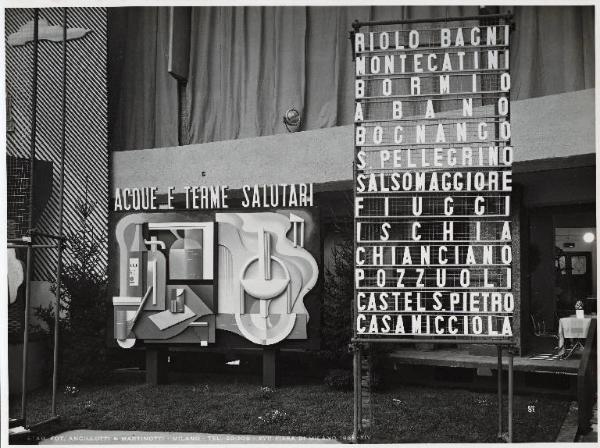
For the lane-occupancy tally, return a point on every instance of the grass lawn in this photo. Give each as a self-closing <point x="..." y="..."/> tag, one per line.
<point x="231" y="404"/>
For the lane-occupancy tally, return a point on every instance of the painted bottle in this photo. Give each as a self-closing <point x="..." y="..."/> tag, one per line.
<point x="137" y="260"/>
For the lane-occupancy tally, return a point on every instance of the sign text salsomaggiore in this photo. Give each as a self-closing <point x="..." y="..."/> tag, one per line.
<point x="433" y="237"/>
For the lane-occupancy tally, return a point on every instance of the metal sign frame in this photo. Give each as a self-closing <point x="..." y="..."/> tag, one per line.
<point x="361" y="344"/>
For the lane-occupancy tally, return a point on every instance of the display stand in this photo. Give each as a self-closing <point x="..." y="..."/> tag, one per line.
<point x="379" y="83"/>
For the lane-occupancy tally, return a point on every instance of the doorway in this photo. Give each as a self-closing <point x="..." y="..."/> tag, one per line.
<point x="575" y="267"/>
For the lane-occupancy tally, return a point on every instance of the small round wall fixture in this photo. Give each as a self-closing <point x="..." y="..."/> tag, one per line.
<point x="589" y="237"/>
<point x="292" y="120"/>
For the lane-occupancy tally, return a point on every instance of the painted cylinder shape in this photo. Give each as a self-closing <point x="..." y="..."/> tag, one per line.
<point x="121" y="330"/>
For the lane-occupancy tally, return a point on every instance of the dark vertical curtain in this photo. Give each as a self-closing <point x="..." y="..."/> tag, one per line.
<point x="246" y="69"/>
<point x="249" y="65"/>
<point x="553" y="50"/>
<point x="329" y="66"/>
<point x="142" y="94"/>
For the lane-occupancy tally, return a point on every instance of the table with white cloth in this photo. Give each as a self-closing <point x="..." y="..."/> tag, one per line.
<point x="572" y="327"/>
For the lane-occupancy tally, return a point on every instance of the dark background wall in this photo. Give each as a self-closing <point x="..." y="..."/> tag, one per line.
<point x="247" y="66"/>
<point x="560" y="197"/>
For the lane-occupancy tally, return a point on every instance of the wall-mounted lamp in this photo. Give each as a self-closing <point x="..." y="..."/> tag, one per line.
<point x="589" y="237"/>
<point x="292" y="120"/>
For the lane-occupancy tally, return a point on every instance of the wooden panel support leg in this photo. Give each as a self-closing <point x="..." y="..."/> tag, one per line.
<point x="156" y="365"/>
<point x="269" y="368"/>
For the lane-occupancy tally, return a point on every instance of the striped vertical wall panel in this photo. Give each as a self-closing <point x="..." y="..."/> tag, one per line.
<point x="86" y="132"/>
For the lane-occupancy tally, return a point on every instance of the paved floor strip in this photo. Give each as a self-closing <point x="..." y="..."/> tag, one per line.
<point x="89" y="437"/>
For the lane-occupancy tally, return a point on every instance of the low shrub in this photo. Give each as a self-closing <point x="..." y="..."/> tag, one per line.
<point x="336" y="321"/>
<point x="83" y="306"/>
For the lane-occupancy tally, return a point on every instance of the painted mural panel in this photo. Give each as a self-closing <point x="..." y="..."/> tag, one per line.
<point x="183" y="276"/>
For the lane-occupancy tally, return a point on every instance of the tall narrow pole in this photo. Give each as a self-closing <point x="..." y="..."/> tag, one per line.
<point x="510" y="396"/>
<point x="61" y="182"/>
<point x="36" y="14"/>
<point x="359" y="391"/>
<point x="356" y="376"/>
<point x="26" y="337"/>
<point x="499" y="347"/>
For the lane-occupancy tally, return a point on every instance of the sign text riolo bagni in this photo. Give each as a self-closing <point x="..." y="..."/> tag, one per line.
<point x="433" y="248"/>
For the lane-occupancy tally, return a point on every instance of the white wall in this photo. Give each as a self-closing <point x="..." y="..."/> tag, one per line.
<point x="547" y="127"/>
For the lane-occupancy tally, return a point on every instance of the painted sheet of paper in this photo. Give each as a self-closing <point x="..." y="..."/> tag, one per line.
<point x="166" y="319"/>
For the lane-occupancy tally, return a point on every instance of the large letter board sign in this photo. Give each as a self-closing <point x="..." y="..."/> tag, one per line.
<point x="433" y="234"/>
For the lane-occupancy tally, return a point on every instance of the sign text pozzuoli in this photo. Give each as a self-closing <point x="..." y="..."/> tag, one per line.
<point x="432" y="183"/>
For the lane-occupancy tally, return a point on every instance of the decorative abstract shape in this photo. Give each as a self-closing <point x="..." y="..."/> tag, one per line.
<point x="265" y="330"/>
<point x="196" y="299"/>
<point x="156" y="276"/>
<point x="46" y="31"/>
<point x="177" y="300"/>
<point x="137" y="262"/>
<point x="125" y="319"/>
<point x="273" y="275"/>
<point x="225" y="271"/>
<point x="16" y="275"/>
<point x="297" y="221"/>
<point x="264" y="287"/>
<point x="166" y="319"/>
<point x="124" y="315"/>
<point x="145" y="241"/>
<point x="121" y="330"/>
<point x="185" y="256"/>
<point x="126" y="343"/>
<point x="191" y="255"/>
<point x="141" y="307"/>
<point x="201" y="330"/>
